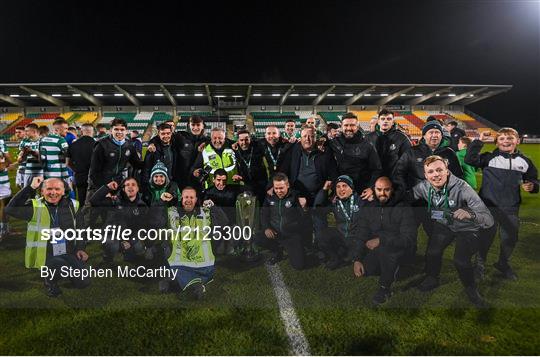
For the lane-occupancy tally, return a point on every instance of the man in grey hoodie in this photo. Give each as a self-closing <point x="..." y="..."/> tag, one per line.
<point x="457" y="213"/>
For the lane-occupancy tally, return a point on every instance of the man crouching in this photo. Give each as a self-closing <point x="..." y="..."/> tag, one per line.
<point x="457" y="214"/>
<point x="53" y="210"/>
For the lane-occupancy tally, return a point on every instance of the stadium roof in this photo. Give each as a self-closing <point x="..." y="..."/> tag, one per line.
<point x="242" y="94"/>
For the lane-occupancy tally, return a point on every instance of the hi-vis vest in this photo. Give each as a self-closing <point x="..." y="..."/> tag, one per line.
<point x="35" y="253"/>
<point x="226" y="161"/>
<point x="192" y="247"/>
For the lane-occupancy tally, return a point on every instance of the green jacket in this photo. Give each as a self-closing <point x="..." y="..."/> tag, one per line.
<point x="469" y="172"/>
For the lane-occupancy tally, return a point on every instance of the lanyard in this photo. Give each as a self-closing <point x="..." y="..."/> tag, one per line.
<point x="248" y="163"/>
<point x="274" y="159"/>
<point x="445" y="198"/>
<point x="54" y="218"/>
<point x="345" y="213"/>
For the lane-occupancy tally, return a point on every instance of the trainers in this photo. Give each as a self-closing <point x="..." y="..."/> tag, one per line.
<point x="197" y="290"/>
<point x="475" y="298"/>
<point x="274" y="258"/>
<point x="429" y="283"/>
<point x="479" y="270"/>
<point x="506" y="271"/>
<point x="52" y="289"/>
<point x="333" y="264"/>
<point x="381" y="296"/>
<point x="164" y="286"/>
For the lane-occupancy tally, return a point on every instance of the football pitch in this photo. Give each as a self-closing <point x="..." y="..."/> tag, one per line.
<point x="241" y="313"/>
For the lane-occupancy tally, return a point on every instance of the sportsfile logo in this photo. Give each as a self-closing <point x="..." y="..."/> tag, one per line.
<point x="117" y="233"/>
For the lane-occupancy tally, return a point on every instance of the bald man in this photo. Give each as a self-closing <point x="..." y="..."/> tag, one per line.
<point x="53" y="210"/>
<point x="386" y="229"/>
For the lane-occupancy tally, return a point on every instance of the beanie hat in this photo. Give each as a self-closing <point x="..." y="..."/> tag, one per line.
<point x="346" y="179"/>
<point x="432" y="125"/>
<point x="159" y="168"/>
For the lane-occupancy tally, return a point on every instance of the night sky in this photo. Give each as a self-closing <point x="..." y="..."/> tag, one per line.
<point x="461" y="42"/>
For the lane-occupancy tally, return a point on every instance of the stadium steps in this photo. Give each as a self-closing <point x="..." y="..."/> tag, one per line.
<point x="10" y="129"/>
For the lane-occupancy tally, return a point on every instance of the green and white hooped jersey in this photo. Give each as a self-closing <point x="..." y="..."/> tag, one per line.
<point x="53" y="149"/>
<point x="4" y="179"/>
<point x="31" y="165"/>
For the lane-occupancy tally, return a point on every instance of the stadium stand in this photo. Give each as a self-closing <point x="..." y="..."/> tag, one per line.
<point x="263" y="119"/>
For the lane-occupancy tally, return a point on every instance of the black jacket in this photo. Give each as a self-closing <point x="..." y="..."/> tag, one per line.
<point x="157" y="213"/>
<point x="503" y="174"/>
<point x="347" y="227"/>
<point x="20" y="207"/>
<point x="109" y="161"/>
<point x="121" y="211"/>
<point x="409" y="169"/>
<point x="282" y="215"/>
<point x="357" y="158"/>
<point x="226" y="199"/>
<point x="393" y="223"/>
<point x="279" y="152"/>
<point x="390" y="147"/>
<point x="325" y="167"/>
<point x="251" y="166"/>
<point x="159" y="154"/>
<point x="455" y="134"/>
<point x="80" y="157"/>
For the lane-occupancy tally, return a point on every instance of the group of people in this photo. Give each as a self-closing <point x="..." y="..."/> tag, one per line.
<point x="343" y="196"/>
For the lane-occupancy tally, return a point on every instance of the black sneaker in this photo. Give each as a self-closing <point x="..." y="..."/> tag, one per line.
<point x="198" y="291"/>
<point x="333" y="264"/>
<point x="164" y="286"/>
<point x="274" y="258"/>
<point x="475" y="298"/>
<point x="52" y="289"/>
<point x="429" y="283"/>
<point x="506" y="271"/>
<point x="381" y="296"/>
<point x="479" y="271"/>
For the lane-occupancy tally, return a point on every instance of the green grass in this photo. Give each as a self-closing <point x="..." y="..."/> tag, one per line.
<point x="240" y="315"/>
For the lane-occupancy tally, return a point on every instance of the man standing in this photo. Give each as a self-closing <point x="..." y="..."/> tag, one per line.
<point x="386" y="229"/>
<point x="20" y="135"/>
<point x="355" y="156"/>
<point x="79" y="158"/>
<point x="249" y="158"/>
<point x="290" y="131"/>
<point x="455" y="133"/>
<point x="137" y="142"/>
<point x="309" y="171"/>
<point x="29" y="158"/>
<point x="280" y="217"/>
<point x="275" y="149"/>
<point x="389" y="141"/>
<point x="61" y="128"/>
<point x="52" y="211"/>
<point x="504" y="171"/>
<point x="164" y="152"/>
<point x="457" y="214"/>
<point x="53" y="149"/>
<point x="101" y="131"/>
<point x="469" y="172"/>
<point x="216" y="156"/>
<point x="409" y="169"/>
<point x="110" y="157"/>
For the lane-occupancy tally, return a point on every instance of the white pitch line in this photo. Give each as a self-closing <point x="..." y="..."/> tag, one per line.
<point x="297" y="339"/>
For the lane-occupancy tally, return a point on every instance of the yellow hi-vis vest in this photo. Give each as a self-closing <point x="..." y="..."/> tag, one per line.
<point x="192" y="247"/>
<point x="35" y="253"/>
<point x="226" y="161"/>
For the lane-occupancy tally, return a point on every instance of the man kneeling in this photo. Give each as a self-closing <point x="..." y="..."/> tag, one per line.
<point x="191" y="253"/>
<point x="386" y="229"/>
<point x="53" y="210"/>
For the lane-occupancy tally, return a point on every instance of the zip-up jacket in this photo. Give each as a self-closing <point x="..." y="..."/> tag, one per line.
<point x="390" y="146"/>
<point x="357" y="158"/>
<point x="109" y="161"/>
<point x="458" y="195"/>
<point x="409" y="169"/>
<point x="283" y="215"/>
<point x="503" y="174"/>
